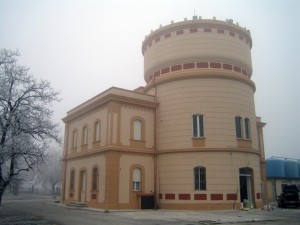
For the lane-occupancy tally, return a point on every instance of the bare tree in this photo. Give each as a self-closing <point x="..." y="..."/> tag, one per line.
<point x="50" y="174"/>
<point x="26" y="128"/>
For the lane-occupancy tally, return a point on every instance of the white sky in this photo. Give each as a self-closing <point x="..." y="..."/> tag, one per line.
<point x="84" y="47"/>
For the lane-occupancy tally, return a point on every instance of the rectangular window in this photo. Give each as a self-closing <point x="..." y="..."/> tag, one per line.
<point x="238" y="126"/>
<point x="137" y="130"/>
<point x="247" y="128"/>
<point x="198" y="128"/>
<point x="136" y="181"/>
<point x="85" y="136"/>
<point x="74" y="144"/>
<point x="97" y="131"/>
<point x="95" y="179"/>
<point x="72" y="177"/>
<point x="200" y="178"/>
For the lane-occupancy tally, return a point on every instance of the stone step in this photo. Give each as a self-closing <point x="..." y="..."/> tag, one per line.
<point x="77" y="204"/>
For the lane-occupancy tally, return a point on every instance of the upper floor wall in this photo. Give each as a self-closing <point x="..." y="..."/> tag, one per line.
<point x="197" y="44"/>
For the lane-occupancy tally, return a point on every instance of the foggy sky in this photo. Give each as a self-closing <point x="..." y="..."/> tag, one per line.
<point x="87" y="46"/>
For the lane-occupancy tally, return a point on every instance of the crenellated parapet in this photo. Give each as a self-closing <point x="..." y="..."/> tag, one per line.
<point x="197" y="44"/>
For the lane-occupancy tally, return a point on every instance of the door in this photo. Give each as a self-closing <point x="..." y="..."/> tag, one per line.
<point x="246" y="184"/>
<point x="82" y="187"/>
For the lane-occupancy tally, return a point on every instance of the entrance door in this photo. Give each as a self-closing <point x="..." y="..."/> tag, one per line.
<point x="82" y="187"/>
<point x="246" y="183"/>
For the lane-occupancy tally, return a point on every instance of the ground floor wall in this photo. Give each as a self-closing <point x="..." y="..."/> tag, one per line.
<point x="230" y="178"/>
<point x="223" y="187"/>
<point x="115" y="178"/>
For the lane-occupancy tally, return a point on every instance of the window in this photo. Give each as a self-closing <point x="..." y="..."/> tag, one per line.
<point x="95" y="179"/>
<point x="72" y="177"/>
<point x="238" y="126"/>
<point x="74" y="139"/>
<point x="85" y="136"/>
<point x="137" y="130"/>
<point x="97" y="131"/>
<point x="198" y="130"/>
<point x="136" y="183"/>
<point x="247" y="128"/>
<point x="200" y="178"/>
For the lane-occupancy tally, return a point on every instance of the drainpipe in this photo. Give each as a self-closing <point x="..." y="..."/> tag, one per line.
<point x="156" y="190"/>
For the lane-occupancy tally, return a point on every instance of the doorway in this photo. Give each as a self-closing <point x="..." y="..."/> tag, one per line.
<point x="82" y="186"/>
<point x="246" y="185"/>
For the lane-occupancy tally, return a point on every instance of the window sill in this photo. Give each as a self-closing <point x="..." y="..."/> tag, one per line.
<point x="244" y="143"/>
<point x="198" y="141"/>
<point x="84" y="147"/>
<point x="137" y="143"/>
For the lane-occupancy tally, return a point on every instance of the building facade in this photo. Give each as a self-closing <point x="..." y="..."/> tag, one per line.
<point x="188" y="139"/>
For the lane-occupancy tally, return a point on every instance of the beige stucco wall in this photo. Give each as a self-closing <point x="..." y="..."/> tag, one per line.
<point x="89" y="120"/>
<point x="198" y="46"/>
<point x="87" y="164"/>
<point x="175" y="173"/>
<point x="125" y="185"/>
<point x="147" y="114"/>
<point x="219" y="100"/>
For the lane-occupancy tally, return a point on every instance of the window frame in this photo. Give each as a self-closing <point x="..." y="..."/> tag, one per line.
<point x="85" y="135"/>
<point x="72" y="180"/>
<point x="200" y="178"/>
<point x="247" y="129"/>
<point x="74" y="138"/>
<point x="137" y="137"/>
<point x="95" y="178"/>
<point x="198" y="125"/>
<point x="239" y="127"/>
<point x="137" y="182"/>
<point x="97" y="131"/>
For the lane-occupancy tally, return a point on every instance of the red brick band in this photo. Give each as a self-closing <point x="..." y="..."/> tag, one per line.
<point x="198" y="65"/>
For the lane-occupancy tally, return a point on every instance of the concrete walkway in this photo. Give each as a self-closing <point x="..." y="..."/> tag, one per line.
<point x="31" y="209"/>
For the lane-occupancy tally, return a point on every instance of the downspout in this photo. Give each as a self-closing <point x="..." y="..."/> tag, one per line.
<point x="156" y="189"/>
<point x="64" y="160"/>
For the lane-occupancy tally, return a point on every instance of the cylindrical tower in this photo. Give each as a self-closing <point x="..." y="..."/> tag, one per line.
<point x="206" y="137"/>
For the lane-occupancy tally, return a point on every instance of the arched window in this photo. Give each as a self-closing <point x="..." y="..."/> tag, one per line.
<point x="95" y="179"/>
<point x="137" y="130"/>
<point x="200" y="178"/>
<point x="97" y="131"/>
<point x="238" y="126"/>
<point x="85" y="136"/>
<point x="247" y="129"/>
<point x="74" y="139"/>
<point x="198" y="126"/>
<point x="72" y="179"/>
<point x="136" y="179"/>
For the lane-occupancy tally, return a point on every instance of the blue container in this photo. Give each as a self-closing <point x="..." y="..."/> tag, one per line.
<point x="298" y="168"/>
<point x="275" y="167"/>
<point x="291" y="168"/>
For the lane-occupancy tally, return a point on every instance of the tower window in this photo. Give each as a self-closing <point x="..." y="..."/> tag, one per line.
<point x="198" y="130"/>
<point x="200" y="178"/>
<point x="238" y="126"/>
<point x="247" y="128"/>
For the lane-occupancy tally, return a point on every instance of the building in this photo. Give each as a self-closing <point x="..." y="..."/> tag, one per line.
<point x="188" y="139"/>
<point x="281" y="172"/>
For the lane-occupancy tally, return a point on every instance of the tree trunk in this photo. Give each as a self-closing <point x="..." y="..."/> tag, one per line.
<point x="1" y="193"/>
<point x="53" y="189"/>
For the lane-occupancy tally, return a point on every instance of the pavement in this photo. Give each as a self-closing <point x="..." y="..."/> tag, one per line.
<point x="35" y="210"/>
